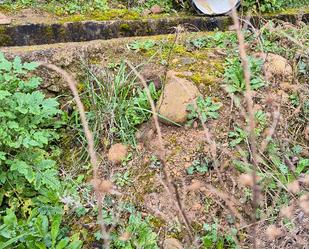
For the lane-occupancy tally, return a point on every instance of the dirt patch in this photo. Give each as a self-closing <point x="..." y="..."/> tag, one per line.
<point x="29" y="16"/>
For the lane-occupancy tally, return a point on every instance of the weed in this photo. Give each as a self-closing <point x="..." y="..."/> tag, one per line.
<point x="122" y="180"/>
<point x="126" y="160"/>
<point x="234" y="75"/>
<point x="138" y="234"/>
<point x="237" y="136"/>
<point x="261" y="121"/>
<point x="272" y="5"/>
<point x="216" y="40"/>
<point x="30" y="210"/>
<point x="213" y="238"/>
<point x="294" y="99"/>
<point x="155" y="162"/>
<point x="206" y="108"/>
<point x="281" y="169"/>
<point x="201" y="166"/>
<point x="62" y="6"/>
<point x="166" y="5"/>
<point x="143" y="45"/>
<point x="116" y="108"/>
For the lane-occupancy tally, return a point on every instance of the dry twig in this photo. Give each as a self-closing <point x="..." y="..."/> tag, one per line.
<point x="100" y="187"/>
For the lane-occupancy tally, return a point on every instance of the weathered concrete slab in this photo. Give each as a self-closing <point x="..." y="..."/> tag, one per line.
<point x="48" y="33"/>
<point x="36" y="34"/>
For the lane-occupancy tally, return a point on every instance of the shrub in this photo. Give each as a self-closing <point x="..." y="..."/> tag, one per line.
<point x="29" y="182"/>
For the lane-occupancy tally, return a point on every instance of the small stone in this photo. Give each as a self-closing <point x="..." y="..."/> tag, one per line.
<point x="54" y="88"/>
<point x="172" y="243"/>
<point x="187" y="74"/>
<point x="174" y="61"/>
<point x="156" y="9"/>
<point x="276" y="68"/>
<point x="117" y="153"/>
<point x="146" y="12"/>
<point x="188" y="61"/>
<point x="4" y="20"/>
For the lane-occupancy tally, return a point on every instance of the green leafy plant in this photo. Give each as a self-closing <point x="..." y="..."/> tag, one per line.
<point x="261" y="122"/>
<point x="213" y="238"/>
<point x="140" y="234"/>
<point x="143" y="45"/>
<point x="234" y="75"/>
<point x="237" y="136"/>
<point x="166" y="5"/>
<point x="204" y="110"/>
<point x="264" y="5"/>
<point x="62" y="6"/>
<point x="38" y="232"/>
<point x="122" y="179"/>
<point x="294" y="99"/>
<point x="217" y="39"/>
<point x="30" y="186"/>
<point x="200" y="166"/>
<point x="271" y="5"/>
<point x="279" y="166"/>
<point x="275" y="171"/>
<point x="116" y="107"/>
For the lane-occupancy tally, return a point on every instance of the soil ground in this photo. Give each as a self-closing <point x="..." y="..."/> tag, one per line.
<point x="184" y="145"/>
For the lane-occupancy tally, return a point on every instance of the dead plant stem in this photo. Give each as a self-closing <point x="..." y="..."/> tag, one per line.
<point x="251" y="116"/>
<point x="171" y="187"/>
<point x="91" y="150"/>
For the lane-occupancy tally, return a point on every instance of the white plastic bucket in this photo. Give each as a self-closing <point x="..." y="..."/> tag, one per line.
<point x="215" y="7"/>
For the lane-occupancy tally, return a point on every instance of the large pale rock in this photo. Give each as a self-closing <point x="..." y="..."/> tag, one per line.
<point x="172" y="243"/>
<point x="276" y="68"/>
<point x="176" y="96"/>
<point x="4" y="19"/>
